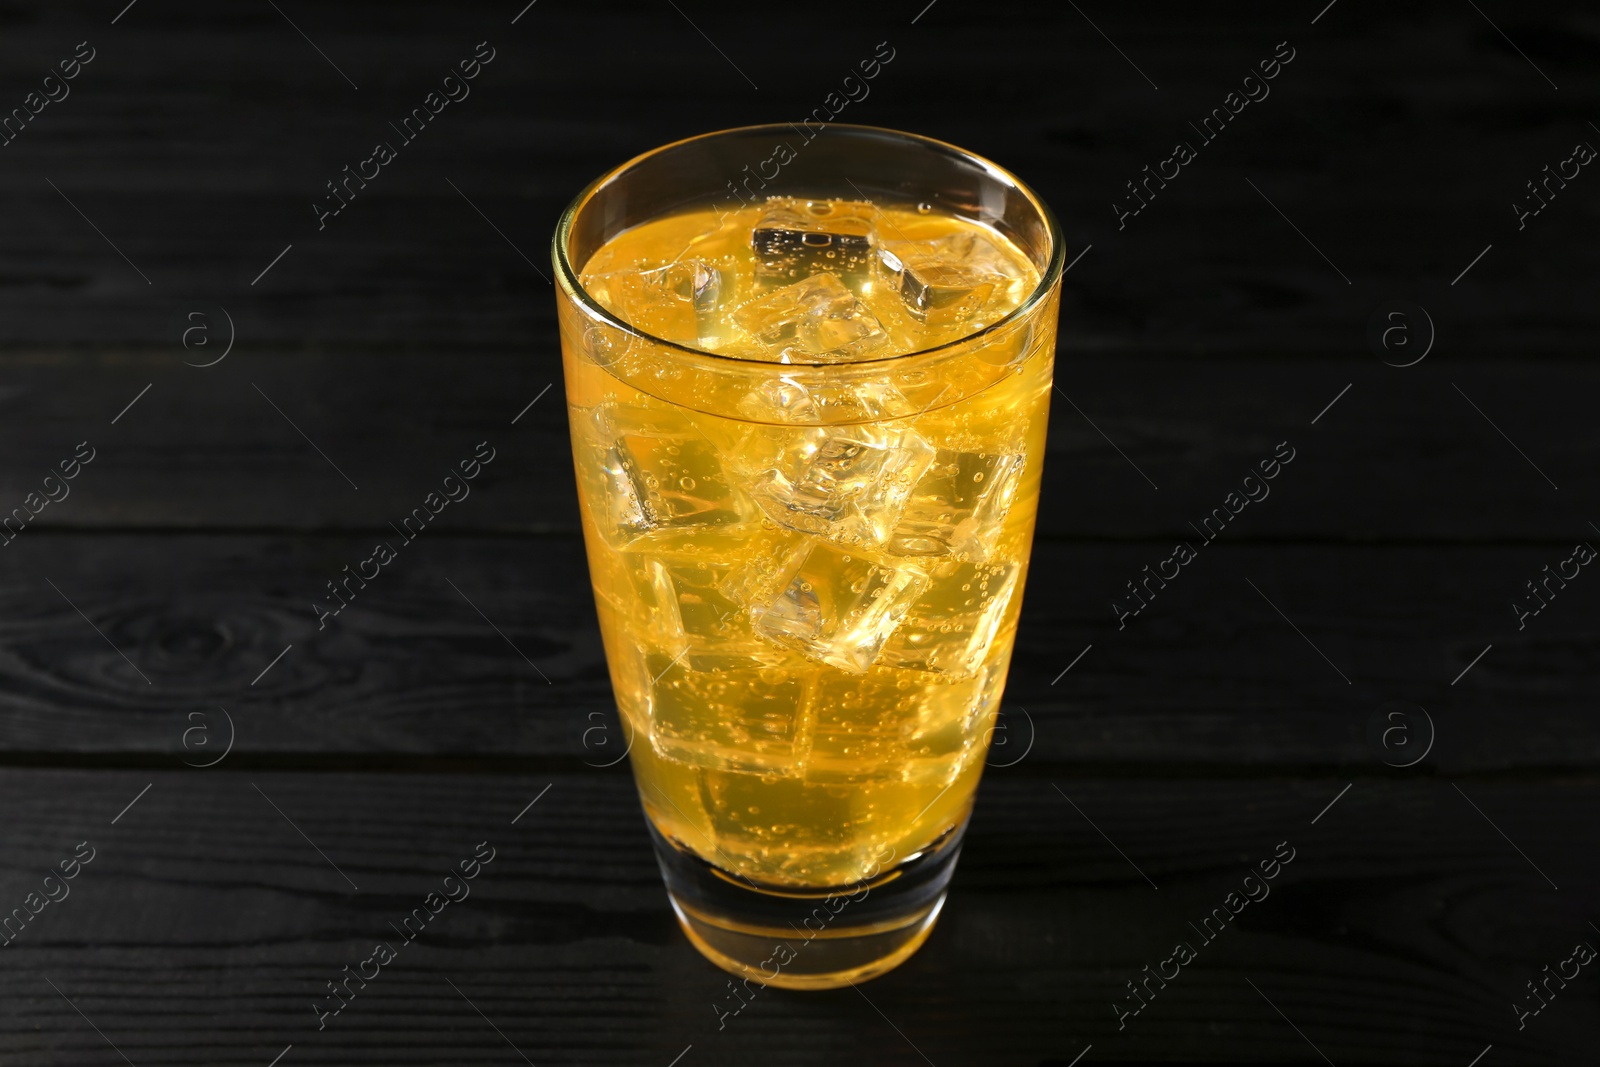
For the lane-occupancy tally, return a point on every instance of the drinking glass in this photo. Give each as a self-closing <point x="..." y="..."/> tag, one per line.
<point x="808" y="702"/>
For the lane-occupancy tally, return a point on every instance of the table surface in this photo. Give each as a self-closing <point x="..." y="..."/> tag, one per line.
<point x="1344" y="672"/>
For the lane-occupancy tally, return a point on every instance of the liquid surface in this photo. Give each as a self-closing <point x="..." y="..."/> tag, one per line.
<point x="808" y="626"/>
<point x="810" y="281"/>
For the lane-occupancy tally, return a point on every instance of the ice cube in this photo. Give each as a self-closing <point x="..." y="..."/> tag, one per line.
<point x="885" y="725"/>
<point x="949" y="629"/>
<point x="677" y="301"/>
<point x="762" y="549"/>
<point x="779" y="399"/>
<point x="693" y="595"/>
<point x="949" y="279"/>
<point x="795" y="238"/>
<point x="846" y="483"/>
<point x="959" y="504"/>
<point x="696" y="608"/>
<point x="657" y="479"/>
<point x="682" y="603"/>
<point x="738" y="718"/>
<point x="835" y="607"/>
<point x="623" y="511"/>
<point x="954" y="724"/>
<point x="859" y="733"/>
<point x="792" y="398"/>
<point x="815" y="318"/>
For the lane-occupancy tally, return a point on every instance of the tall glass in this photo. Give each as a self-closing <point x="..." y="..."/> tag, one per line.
<point x="808" y="702"/>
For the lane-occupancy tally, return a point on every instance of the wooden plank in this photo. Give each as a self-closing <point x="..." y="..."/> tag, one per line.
<point x="1209" y="676"/>
<point x="1395" y="143"/>
<point x="268" y="441"/>
<point x="206" y="926"/>
<point x="1230" y="714"/>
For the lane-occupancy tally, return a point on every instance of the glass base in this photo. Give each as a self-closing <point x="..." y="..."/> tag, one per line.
<point x="821" y="938"/>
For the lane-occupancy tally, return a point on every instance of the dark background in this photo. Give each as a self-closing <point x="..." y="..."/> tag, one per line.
<point x="141" y="618"/>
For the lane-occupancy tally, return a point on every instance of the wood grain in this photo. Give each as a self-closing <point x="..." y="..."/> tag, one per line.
<point x="206" y="926"/>
<point x="1209" y="676"/>
<point x="1395" y="141"/>
<point x="206" y="448"/>
<point x="1229" y="314"/>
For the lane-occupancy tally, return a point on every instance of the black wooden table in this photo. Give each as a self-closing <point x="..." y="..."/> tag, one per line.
<point x="248" y="388"/>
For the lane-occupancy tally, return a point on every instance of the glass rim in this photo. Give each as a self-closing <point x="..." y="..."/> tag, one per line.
<point x="569" y="279"/>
